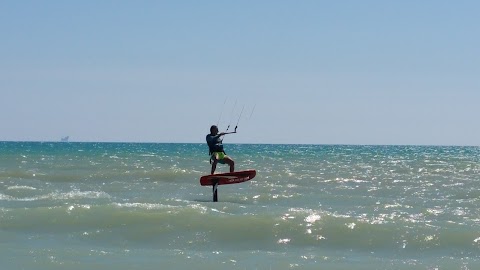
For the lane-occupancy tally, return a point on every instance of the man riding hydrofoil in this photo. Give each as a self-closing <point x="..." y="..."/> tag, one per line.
<point x="216" y="152"/>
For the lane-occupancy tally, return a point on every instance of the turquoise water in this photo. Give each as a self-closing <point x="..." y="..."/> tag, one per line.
<point x="140" y="206"/>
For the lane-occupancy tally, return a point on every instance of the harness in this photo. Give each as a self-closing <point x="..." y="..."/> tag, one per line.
<point x="215" y="149"/>
<point x="215" y="146"/>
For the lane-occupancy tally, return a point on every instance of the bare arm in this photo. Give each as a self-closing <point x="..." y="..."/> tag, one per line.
<point x="225" y="133"/>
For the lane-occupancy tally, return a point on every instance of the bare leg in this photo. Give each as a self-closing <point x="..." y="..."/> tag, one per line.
<point x="230" y="163"/>
<point x="214" y="166"/>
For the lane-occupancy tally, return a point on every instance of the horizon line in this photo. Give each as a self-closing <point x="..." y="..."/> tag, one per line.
<point x="245" y="143"/>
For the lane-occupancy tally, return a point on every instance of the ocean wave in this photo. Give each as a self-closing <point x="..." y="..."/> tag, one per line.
<point x="206" y="226"/>
<point x="55" y="196"/>
<point x="105" y="174"/>
<point x="21" y="188"/>
<point x="17" y="174"/>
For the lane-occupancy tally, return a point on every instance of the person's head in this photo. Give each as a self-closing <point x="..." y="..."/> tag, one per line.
<point x="213" y="130"/>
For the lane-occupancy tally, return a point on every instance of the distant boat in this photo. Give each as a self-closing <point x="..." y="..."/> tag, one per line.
<point x="65" y="139"/>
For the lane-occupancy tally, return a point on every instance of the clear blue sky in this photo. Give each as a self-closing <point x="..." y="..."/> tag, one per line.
<point x="322" y="72"/>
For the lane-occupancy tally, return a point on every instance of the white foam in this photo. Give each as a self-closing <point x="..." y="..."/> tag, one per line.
<point x="20" y="187"/>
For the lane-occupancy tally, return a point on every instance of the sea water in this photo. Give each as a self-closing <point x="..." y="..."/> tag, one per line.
<point x="140" y="206"/>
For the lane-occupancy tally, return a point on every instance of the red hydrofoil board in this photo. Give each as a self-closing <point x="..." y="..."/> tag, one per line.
<point x="227" y="178"/>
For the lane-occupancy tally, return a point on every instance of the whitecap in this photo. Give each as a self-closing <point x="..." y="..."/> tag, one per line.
<point x="20" y="187"/>
<point x="351" y="226"/>
<point x="283" y="241"/>
<point x="312" y="218"/>
<point x="148" y="206"/>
